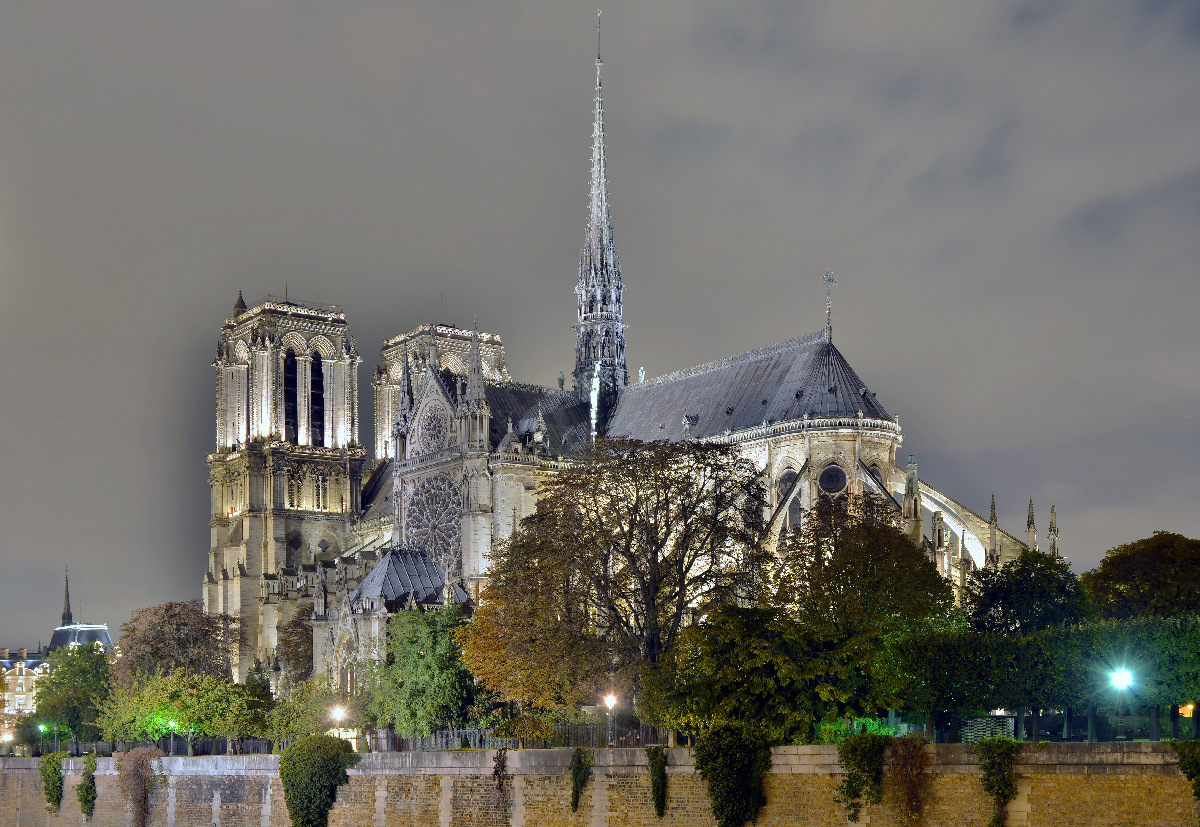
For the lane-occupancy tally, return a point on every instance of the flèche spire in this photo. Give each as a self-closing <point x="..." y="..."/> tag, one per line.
<point x="600" y="332"/>
<point x="67" y="619"/>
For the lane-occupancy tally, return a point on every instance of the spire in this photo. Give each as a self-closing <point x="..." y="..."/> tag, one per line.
<point x="473" y="405"/>
<point x="829" y="283"/>
<point x="475" y="392"/>
<point x="1052" y="534"/>
<point x="993" y="550"/>
<point x="67" y="620"/>
<point x="239" y="306"/>
<point x="1031" y="529"/>
<point x="600" y="332"/>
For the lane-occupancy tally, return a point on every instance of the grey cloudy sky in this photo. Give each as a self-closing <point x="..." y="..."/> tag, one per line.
<point x="1008" y="192"/>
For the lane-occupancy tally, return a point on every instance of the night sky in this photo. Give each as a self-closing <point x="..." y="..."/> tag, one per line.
<point x="1007" y="192"/>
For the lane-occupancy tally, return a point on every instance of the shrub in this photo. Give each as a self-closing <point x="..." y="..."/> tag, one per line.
<point x="908" y="776"/>
<point x="52" y="780"/>
<point x="996" y="758"/>
<point x="500" y="768"/>
<point x="733" y="759"/>
<point x="834" y="732"/>
<point x="137" y="780"/>
<point x="311" y="769"/>
<point x="581" y="771"/>
<point x="1189" y="763"/>
<point x="85" y="790"/>
<point x="656" y="758"/>
<point x="861" y="756"/>
<point x="524" y="726"/>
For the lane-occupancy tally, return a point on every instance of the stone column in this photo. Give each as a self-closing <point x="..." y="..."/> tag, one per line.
<point x="303" y="392"/>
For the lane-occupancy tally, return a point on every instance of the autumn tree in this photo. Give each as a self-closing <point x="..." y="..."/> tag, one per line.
<point x="623" y="548"/>
<point x="1155" y="577"/>
<point x="1033" y="592"/>
<point x="174" y="636"/>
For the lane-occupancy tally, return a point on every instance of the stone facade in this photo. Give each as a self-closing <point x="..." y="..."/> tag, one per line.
<point x="1060" y="785"/>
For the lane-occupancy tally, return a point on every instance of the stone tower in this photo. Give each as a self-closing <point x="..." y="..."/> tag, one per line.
<point x="599" y="331"/>
<point x="286" y="475"/>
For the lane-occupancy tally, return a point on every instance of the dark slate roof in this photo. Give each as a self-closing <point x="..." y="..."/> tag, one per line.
<point x="566" y="417"/>
<point x="401" y="574"/>
<point x="377" y="493"/>
<point x="776" y="383"/>
<point x="80" y="633"/>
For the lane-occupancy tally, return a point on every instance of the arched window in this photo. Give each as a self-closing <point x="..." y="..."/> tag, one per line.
<point x="289" y="396"/>
<point x="316" y="405"/>
<point x="792" y="520"/>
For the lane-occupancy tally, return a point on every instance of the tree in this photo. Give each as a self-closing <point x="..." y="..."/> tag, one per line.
<point x="295" y="645"/>
<point x="304" y="712"/>
<point x="71" y="693"/>
<point x="423" y="685"/>
<point x="1155" y="577"/>
<point x="1033" y="592"/>
<point x="624" y="547"/>
<point x="176" y="636"/>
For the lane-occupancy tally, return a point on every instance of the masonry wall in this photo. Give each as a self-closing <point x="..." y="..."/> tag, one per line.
<point x="1058" y="785"/>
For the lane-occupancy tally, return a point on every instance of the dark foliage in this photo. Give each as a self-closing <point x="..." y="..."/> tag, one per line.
<point x="581" y="771"/>
<point x="656" y="760"/>
<point x="311" y="769"/>
<point x="1033" y="592"/>
<point x="85" y="790"/>
<point x="52" y="779"/>
<point x="295" y="649"/>
<point x="908" y="779"/>
<point x="861" y="757"/>
<point x="996" y="758"/>
<point x="174" y="636"/>
<point x="1155" y="577"/>
<point x="137" y="780"/>
<point x="733" y="759"/>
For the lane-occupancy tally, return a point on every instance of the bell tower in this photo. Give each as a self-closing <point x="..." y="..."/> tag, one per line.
<point x="285" y="477"/>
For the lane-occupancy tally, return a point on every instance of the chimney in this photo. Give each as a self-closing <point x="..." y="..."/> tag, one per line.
<point x="22" y="654"/>
<point x="4" y="653"/>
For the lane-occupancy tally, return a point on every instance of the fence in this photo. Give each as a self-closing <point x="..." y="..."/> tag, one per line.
<point x="565" y="735"/>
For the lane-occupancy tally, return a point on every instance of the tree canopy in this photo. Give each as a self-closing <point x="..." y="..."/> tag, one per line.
<point x="174" y="636"/>
<point x="1033" y="592"/>
<point x="71" y="693"/>
<point x="423" y="684"/>
<point x="1158" y="576"/>
<point x="624" y="546"/>
<point x="295" y="645"/>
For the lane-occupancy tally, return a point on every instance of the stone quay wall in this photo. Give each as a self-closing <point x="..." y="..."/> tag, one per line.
<point x="1058" y="785"/>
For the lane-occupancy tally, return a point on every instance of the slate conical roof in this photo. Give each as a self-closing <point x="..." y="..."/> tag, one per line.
<point x="777" y="383"/>
<point x="401" y="577"/>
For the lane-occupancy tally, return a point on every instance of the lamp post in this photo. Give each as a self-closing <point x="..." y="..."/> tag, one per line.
<point x="610" y="700"/>
<point x="172" y="725"/>
<point x="41" y="737"/>
<point x="1121" y="679"/>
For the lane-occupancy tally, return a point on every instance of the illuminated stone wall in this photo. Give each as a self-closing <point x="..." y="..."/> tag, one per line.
<point x="1058" y="786"/>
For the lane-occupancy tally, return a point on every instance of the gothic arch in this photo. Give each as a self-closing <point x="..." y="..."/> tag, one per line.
<point x="295" y="341"/>
<point x="319" y="344"/>
<point x="455" y="363"/>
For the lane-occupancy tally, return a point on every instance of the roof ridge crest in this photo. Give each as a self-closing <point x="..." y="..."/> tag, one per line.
<point x="731" y="360"/>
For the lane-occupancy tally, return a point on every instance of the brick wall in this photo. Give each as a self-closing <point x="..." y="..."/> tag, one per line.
<point x="1060" y="785"/>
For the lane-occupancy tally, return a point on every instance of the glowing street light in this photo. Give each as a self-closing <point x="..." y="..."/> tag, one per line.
<point x="338" y="714"/>
<point x="1121" y="679"/>
<point x="610" y="700"/>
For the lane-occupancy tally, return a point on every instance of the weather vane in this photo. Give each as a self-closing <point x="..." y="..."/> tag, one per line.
<point x="829" y="283"/>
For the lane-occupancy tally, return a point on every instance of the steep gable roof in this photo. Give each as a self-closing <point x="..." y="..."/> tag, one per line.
<point x="777" y="383"/>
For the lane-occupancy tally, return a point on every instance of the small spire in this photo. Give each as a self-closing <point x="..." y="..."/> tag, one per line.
<point x="67" y="619"/>
<point x="1029" y="522"/>
<point x="597" y="35"/>
<point x="829" y="283"/>
<point x="1031" y="529"/>
<point x="240" y="305"/>
<point x="992" y="518"/>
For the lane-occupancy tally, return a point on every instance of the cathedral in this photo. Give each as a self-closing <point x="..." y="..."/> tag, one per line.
<point x="301" y="515"/>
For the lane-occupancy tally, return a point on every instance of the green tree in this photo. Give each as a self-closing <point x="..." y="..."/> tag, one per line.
<point x="625" y="545"/>
<point x="305" y="711"/>
<point x="71" y="694"/>
<point x="1033" y="592"/>
<point x="174" y="636"/>
<point x="1155" y="577"/>
<point x="423" y="684"/>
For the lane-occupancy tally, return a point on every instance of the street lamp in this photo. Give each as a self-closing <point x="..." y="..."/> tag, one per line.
<point x="6" y="739"/>
<point x="610" y="700"/>
<point x="172" y="725"/>
<point x="1121" y="679"/>
<point x="338" y="714"/>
